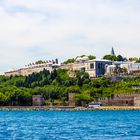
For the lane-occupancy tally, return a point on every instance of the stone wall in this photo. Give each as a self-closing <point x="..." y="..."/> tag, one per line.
<point x="122" y="100"/>
<point x="37" y="100"/>
<point x="71" y="99"/>
<point x="137" y="100"/>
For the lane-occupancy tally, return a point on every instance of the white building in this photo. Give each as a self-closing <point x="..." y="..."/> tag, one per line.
<point x="95" y="67"/>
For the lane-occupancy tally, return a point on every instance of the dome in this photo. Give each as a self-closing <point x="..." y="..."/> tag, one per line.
<point x="85" y="58"/>
<point x="11" y="70"/>
<point x="78" y="59"/>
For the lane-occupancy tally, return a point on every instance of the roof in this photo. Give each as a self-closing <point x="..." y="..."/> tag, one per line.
<point x="82" y="58"/>
<point x="99" y="60"/>
<point x="111" y="66"/>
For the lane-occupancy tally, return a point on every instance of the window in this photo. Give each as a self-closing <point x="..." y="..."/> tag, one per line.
<point x="99" y="66"/>
<point x="92" y="66"/>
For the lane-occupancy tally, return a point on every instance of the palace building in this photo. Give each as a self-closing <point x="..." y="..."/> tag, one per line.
<point x="34" y="68"/>
<point x="94" y="67"/>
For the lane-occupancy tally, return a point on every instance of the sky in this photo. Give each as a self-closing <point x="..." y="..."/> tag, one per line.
<point x="32" y="30"/>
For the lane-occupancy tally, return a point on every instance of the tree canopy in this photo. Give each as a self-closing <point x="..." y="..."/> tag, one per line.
<point x="55" y="86"/>
<point x="114" y="58"/>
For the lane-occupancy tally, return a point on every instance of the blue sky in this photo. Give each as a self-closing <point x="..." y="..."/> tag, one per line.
<point x="49" y="29"/>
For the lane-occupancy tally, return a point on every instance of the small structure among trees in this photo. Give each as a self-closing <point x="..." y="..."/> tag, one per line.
<point x="37" y="100"/>
<point x="71" y="98"/>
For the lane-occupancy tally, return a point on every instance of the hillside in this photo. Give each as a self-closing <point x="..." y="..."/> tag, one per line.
<point x="55" y="86"/>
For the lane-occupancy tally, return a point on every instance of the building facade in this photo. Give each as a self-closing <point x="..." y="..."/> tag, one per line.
<point x="34" y="68"/>
<point x="95" y="67"/>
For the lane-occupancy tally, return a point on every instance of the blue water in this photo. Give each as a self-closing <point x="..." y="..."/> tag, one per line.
<point x="70" y="125"/>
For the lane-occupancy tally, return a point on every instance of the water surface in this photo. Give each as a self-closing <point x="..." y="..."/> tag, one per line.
<point x="70" y="125"/>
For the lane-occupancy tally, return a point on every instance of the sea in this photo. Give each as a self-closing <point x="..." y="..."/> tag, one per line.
<point x="69" y="125"/>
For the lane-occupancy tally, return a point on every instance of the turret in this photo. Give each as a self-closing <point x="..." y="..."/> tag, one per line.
<point x="112" y="51"/>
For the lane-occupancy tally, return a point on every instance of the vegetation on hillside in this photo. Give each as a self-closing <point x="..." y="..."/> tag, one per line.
<point x="135" y="59"/>
<point x="55" y="86"/>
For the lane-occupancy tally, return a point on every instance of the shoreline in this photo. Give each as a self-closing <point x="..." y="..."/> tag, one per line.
<point x="67" y="108"/>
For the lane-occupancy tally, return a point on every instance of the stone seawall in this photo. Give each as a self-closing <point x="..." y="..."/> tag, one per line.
<point x="28" y="108"/>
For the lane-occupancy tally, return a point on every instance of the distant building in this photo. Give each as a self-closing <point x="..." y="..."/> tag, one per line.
<point x="34" y="68"/>
<point x="12" y="72"/>
<point x="95" y="67"/>
<point x="131" y="67"/>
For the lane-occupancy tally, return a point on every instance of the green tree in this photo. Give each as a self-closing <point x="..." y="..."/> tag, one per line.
<point x="73" y="89"/>
<point x="82" y="97"/>
<point x="120" y="58"/>
<point x="69" y="61"/>
<point x="91" y="57"/>
<point x="110" y="57"/>
<point x="3" y="99"/>
<point x="39" y="62"/>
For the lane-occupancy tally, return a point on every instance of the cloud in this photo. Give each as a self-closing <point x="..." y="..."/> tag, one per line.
<point x="46" y="29"/>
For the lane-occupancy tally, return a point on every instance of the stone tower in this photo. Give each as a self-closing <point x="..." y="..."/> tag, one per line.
<point x="112" y="51"/>
<point x="71" y="99"/>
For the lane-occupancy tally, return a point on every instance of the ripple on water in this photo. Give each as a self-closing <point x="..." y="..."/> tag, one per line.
<point x="70" y="125"/>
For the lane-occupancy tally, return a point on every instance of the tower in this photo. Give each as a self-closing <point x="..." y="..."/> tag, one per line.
<point x="112" y="51"/>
